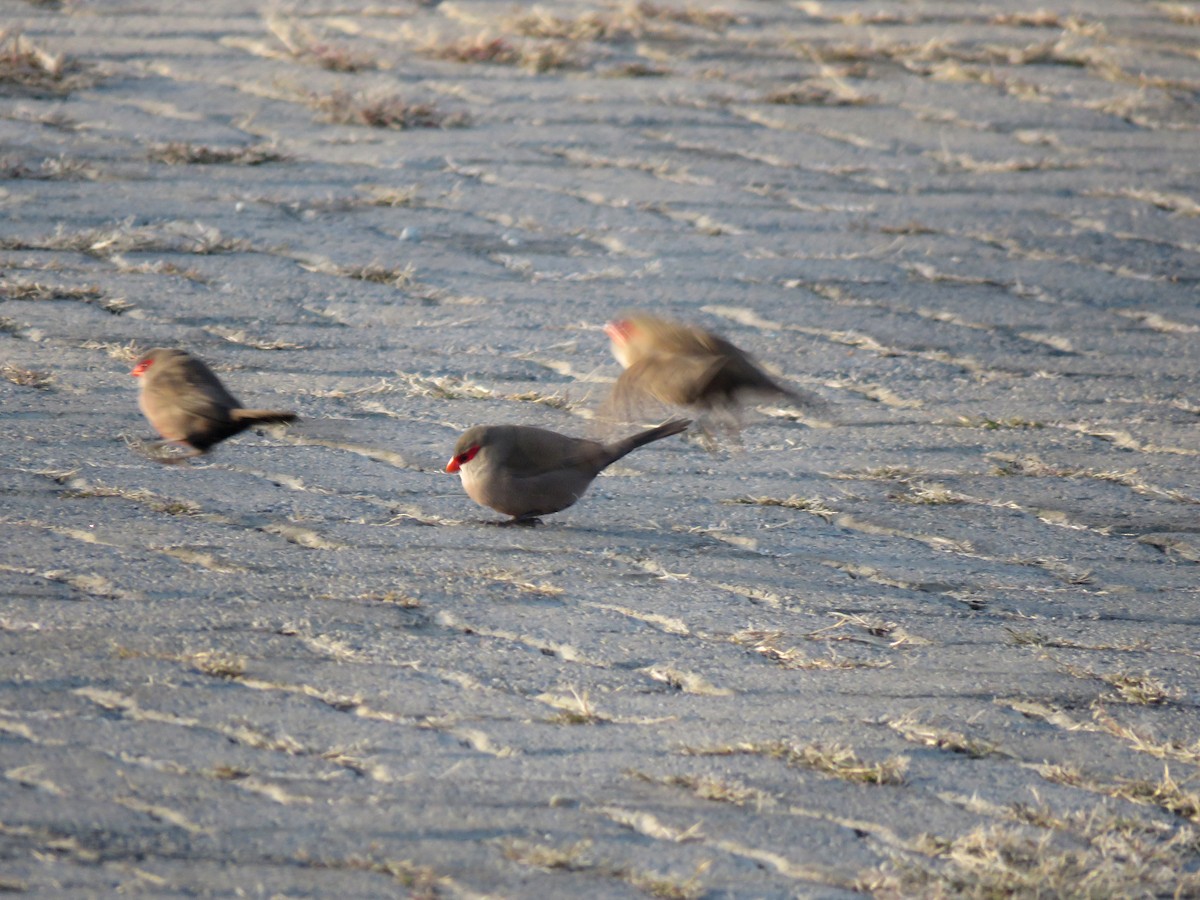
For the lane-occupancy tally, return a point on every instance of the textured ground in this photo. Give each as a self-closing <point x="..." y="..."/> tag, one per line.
<point x="943" y="644"/>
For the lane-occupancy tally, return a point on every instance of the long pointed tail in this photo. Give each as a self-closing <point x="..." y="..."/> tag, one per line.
<point x="631" y="443"/>
<point x="262" y="416"/>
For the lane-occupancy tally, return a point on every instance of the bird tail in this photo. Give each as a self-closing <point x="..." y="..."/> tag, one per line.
<point x="261" y="416"/>
<point x="631" y="443"/>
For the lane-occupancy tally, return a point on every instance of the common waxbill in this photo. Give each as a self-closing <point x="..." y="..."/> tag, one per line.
<point x="526" y="472"/>
<point x="187" y="404"/>
<point x="681" y="365"/>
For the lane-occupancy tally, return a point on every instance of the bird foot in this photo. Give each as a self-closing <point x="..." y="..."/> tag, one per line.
<point x="525" y="522"/>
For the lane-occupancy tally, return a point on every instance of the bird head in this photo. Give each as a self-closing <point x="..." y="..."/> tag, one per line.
<point x="160" y="356"/>
<point x="467" y="448"/>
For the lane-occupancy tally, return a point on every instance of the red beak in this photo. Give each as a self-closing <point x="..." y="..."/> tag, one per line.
<point x="137" y="370"/>
<point x="453" y="465"/>
<point x="618" y="332"/>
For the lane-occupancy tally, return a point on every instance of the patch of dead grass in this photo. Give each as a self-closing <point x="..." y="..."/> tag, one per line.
<point x="304" y="46"/>
<point x="836" y="760"/>
<point x="1141" y="690"/>
<point x="534" y="56"/>
<point x="36" y="290"/>
<point x="575" y="708"/>
<point x="631" y="21"/>
<point x="1107" y="857"/>
<point x="382" y="111"/>
<point x="26" y="377"/>
<point x="393" y="276"/>
<point x="818" y="92"/>
<point x="380" y="195"/>
<point x="182" y="153"/>
<point x="25" y="67"/>
<point x="172" y="507"/>
<point x="125" y="237"/>
<point x="814" y="505"/>
<point x="942" y="738"/>
<point x="711" y="787"/>
<point x="634" y="70"/>
<point x="1179" y="204"/>
<point x="1165" y="793"/>
<point x="1180" y="13"/>
<point x="53" y="168"/>
<point x="216" y="663"/>
<point x="767" y="644"/>
<point x="570" y="858"/>
<point x="577" y="857"/>
<point x="867" y="630"/>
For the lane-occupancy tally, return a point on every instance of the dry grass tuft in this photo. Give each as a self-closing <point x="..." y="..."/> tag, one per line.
<point x="668" y="887"/>
<point x="382" y="111"/>
<point x="572" y="858"/>
<point x="27" y="68"/>
<point x="692" y="14"/>
<point x="378" y="195"/>
<point x="1166" y="794"/>
<point x="1084" y="854"/>
<point x="574" y="708"/>
<point x="1180" y="204"/>
<point x="766" y="643"/>
<point x="540" y="56"/>
<point x="304" y="46"/>
<point x="576" y="858"/>
<point x="539" y="22"/>
<point x="182" y="153"/>
<point x="842" y="762"/>
<point x="376" y="274"/>
<point x="26" y="377"/>
<point x="631" y="21"/>
<point x="836" y="760"/>
<point x="813" y="505"/>
<point x="710" y="787"/>
<point x="941" y="738"/>
<point x="922" y="494"/>
<point x="217" y="664"/>
<point x="121" y="352"/>
<point x="125" y="237"/>
<point x="35" y="290"/>
<point x="53" y="168"/>
<point x="1180" y="13"/>
<point x="1040" y="18"/>
<point x="867" y="630"/>
<point x="989" y="424"/>
<point x="818" y="92"/>
<point x="634" y="70"/>
<point x="84" y="491"/>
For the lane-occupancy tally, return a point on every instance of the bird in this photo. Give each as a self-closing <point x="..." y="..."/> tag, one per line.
<point x="189" y="406"/>
<point x="526" y="472"/>
<point x="677" y="364"/>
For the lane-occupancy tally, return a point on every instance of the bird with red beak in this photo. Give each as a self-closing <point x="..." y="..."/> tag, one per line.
<point x="189" y="406"/>
<point x="526" y="472"/>
<point x="674" y="364"/>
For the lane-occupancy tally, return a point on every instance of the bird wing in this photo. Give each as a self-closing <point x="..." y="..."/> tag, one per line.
<point x="540" y="452"/>
<point x="671" y="380"/>
<point x="195" y="390"/>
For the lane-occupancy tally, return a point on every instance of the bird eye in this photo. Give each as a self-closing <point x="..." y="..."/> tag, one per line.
<point x="466" y="456"/>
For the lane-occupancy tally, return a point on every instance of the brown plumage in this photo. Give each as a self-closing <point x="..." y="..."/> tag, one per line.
<point x="676" y="364"/>
<point x="526" y="472"/>
<point x="187" y="404"/>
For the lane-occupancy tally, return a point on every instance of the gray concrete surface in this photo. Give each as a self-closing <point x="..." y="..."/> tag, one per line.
<point x="944" y="644"/>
